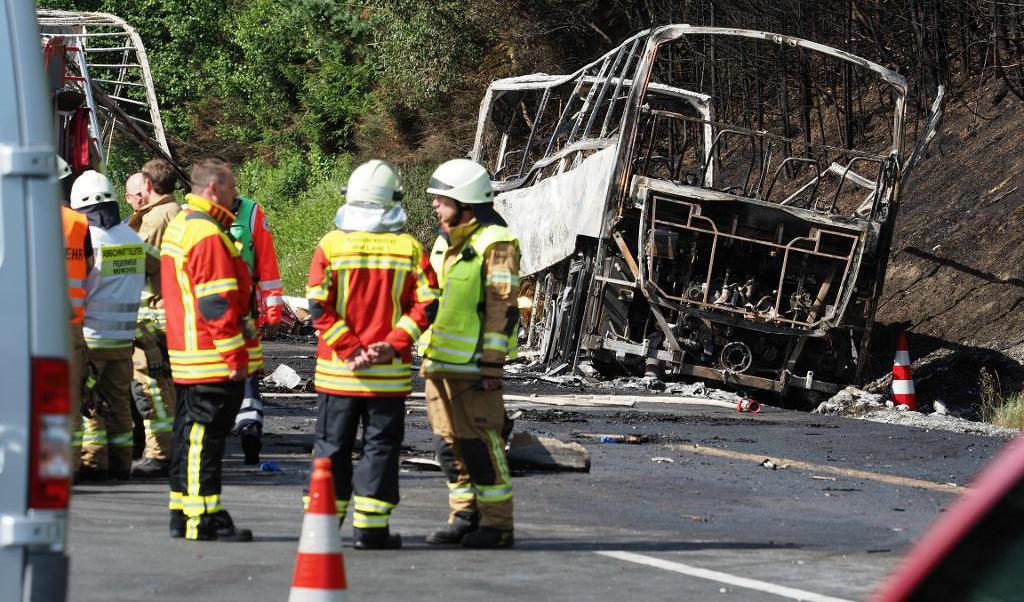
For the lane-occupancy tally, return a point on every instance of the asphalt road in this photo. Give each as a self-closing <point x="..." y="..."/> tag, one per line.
<point x="712" y="524"/>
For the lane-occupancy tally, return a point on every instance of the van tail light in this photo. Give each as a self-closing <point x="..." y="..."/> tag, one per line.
<point x="50" y="439"/>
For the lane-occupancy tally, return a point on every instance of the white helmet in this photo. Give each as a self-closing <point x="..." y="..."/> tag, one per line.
<point x="463" y="180"/>
<point x="375" y="182"/>
<point x="63" y="169"/>
<point x="91" y="188"/>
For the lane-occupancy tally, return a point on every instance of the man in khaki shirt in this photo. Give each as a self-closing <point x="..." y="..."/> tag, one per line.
<point x="151" y="195"/>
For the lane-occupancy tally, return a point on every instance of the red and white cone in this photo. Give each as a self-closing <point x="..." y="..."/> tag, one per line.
<point x="319" y="566"/>
<point x="902" y="378"/>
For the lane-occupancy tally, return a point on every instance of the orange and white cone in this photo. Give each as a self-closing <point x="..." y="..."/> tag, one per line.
<point x="319" y="566"/>
<point x="902" y="378"/>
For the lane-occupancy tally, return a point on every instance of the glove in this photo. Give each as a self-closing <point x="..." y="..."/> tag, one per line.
<point x="94" y="404"/>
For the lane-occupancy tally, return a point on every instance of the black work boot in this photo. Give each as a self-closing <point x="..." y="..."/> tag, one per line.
<point x="224" y="528"/>
<point x="177" y="526"/>
<point x="150" y="468"/>
<point x="252" y="442"/>
<point x="452" y="533"/>
<point x="375" y="539"/>
<point x="488" y="537"/>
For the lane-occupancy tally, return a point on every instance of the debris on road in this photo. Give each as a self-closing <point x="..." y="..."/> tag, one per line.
<point x="421" y="464"/>
<point x="767" y="463"/>
<point x="857" y="403"/>
<point x="662" y="460"/>
<point x="614" y="438"/>
<point x="527" y="450"/>
<point x="284" y="377"/>
<point x="270" y="466"/>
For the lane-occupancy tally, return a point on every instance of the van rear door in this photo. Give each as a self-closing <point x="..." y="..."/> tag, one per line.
<point x="34" y="313"/>
<point x="14" y="343"/>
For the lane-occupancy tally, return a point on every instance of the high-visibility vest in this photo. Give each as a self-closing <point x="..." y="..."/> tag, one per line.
<point x="455" y="335"/>
<point x="241" y="231"/>
<point x="114" y="287"/>
<point x="76" y="226"/>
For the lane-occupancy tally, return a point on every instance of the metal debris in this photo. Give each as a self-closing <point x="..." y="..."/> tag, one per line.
<point x="527" y="450"/>
<point x="668" y="230"/>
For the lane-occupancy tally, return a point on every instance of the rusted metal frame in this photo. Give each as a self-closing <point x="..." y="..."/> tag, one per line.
<point x="536" y="123"/>
<point x="709" y="160"/>
<point x="787" y="161"/>
<point x="561" y="118"/>
<point x="650" y="143"/>
<point x="127" y="124"/>
<point x="853" y="178"/>
<point x="777" y="305"/>
<point x="588" y="104"/>
<point x="670" y="337"/>
<point x="715" y="233"/>
<point x="601" y="94"/>
<point x="618" y="87"/>
<point x="581" y="146"/>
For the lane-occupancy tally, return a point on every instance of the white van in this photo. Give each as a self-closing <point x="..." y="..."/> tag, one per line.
<point x="34" y="439"/>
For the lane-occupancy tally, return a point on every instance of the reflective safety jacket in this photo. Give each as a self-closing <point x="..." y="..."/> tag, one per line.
<point x="150" y="222"/>
<point x="76" y="230"/>
<point x="366" y="287"/>
<point x="477" y="324"/>
<point x="251" y="232"/>
<point x="113" y="287"/>
<point x="206" y="288"/>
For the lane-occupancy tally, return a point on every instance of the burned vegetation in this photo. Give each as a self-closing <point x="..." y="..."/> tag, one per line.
<point x="705" y="202"/>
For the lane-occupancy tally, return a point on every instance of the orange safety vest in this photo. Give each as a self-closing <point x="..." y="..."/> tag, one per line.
<point x="76" y="226"/>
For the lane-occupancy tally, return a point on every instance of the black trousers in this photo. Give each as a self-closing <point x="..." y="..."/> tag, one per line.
<point x="373" y="485"/>
<point x="202" y="422"/>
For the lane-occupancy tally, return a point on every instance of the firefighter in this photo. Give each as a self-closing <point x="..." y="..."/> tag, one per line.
<point x="79" y="260"/>
<point x="476" y="329"/>
<point x="251" y="232"/>
<point x="213" y="346"/>
<point x="150" y="194"/>
<point x="371" y="291"/>
<point x="112" y="288"/>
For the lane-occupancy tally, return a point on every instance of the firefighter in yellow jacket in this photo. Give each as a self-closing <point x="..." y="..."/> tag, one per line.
<point x="475" y="331"/>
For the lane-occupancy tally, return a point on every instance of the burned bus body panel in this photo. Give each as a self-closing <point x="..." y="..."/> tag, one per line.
<point x="707" y="202"/>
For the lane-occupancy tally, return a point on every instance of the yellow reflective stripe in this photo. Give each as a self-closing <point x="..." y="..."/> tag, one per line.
<point x="216" y="287"/>
<point x="493" y="494"/>
<point x="334" y="333"/>
<point x="161" y="425"/>
<point x="195" y="456"/>
<point x="371" y="506"/>
<point x="317" y="293"/>
<point x="457" y="491"/>
<point x="193" y="357"/>
<point x="338" y="369"/>
<point x="196" y="372"/>
<point x="431" y="366"/>
<point x="500" y="459"/>
<point x="369" y="521"/>
<point x="121" y="440"/>
<point x="374" y="263"/>
<point x="363" y="386"/>
<point x="410" y="327"/>
<point x="108" y="343"/>
<point x="230" y="344"/>
<point x="494" y="341"/>
<point x="174" y="502"/>
<point x="501" y="277"/>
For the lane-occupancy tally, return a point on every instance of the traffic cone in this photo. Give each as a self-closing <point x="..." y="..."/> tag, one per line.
<point x="319" y="566"/>
<point x="902" y="379"/>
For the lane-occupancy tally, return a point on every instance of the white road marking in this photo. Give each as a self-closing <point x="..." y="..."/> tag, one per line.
<point x="744" y="582"/>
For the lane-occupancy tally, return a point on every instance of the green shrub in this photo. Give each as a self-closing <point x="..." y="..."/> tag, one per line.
<point x="996" y="408"/>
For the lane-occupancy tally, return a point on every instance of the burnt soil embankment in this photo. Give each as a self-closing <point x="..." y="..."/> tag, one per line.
<point x="956" y="272"/>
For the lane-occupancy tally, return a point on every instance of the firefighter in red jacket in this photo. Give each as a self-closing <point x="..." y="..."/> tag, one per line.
<point x="255" y="244"/>
<point x="213" y="346"/>
<point x="371" y="293"/>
